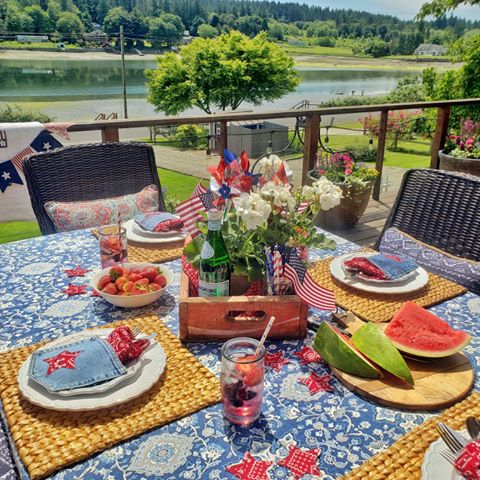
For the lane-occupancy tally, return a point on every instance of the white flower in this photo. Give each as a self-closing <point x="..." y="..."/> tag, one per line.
<point x="323" y="193"/>
<point x="252" y="209"/>
<point x="279" y="195"/>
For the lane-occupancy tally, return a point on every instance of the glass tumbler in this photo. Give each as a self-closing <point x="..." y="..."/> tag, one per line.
<point x="241" y="380"/>
<point x="113" y="245"/>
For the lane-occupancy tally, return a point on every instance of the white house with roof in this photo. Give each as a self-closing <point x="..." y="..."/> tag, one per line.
<point x="430" y="49"/>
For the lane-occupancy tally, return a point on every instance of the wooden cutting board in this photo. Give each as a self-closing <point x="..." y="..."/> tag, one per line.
<point x="439" y="382"/>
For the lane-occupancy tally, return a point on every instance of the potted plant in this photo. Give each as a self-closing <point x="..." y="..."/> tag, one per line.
<point x="262" y="211"/>
<point x="462" y="149"/>
<point x="355" y="180"/>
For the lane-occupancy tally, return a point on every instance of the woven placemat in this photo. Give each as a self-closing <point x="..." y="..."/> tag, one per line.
<point x="403" y="460"/>
<point x="375" y="307"/>
<point x="48" y="440"/>
<point x="138" y="254"/>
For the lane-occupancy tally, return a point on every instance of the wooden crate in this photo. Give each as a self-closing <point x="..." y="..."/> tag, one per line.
<point x="221" y="318"/>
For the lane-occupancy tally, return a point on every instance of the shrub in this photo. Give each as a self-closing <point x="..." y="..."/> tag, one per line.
<point x="326" y="42"/>
<point x="14" y="113"/>
<point x="362" y="153"/>
<point x="191" y="137"/>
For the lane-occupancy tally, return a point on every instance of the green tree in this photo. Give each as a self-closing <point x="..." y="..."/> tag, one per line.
<point x="250" y="25"/>
<point x="276" y="31"/>
<point x="69" y="26"/>
<point x="40" y="19"/>
<point x="221" y="73"/>
<point x="116" y="16"/>
<point x="376" y="48"/>
<point x="17" y="21"/>
<point x="437" y="8"/>
<point x="207" y="31"/>
<point x="103" y="6"/>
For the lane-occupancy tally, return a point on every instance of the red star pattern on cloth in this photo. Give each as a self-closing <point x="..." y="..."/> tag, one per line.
<point x="64" y="359"/>
<point x="250" y="469"/>
<point x="78" y="271"/>
<point x="94" y="293"/>
<point x="317" y="383"/>
<point x="308" y="355"/>
<point x="74" y="289"/>
<point x="300" y="462"/>
<point x="275" y="360"/>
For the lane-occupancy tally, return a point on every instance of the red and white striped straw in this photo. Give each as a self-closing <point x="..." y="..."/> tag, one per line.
<point x="264" y="336"/>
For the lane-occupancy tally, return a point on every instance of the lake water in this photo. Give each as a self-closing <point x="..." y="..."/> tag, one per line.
<point x="81" y="89"/>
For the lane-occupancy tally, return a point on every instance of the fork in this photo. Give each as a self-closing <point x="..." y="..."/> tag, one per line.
<point x="451" y="438"/>
<point x="136" y="331"/>
<point x="448" y="456"/>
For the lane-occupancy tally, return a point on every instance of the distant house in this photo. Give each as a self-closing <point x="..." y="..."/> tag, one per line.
<point x="96" y="36"/>
<point x="430" y="49"/>
<point x="31" y="38"/>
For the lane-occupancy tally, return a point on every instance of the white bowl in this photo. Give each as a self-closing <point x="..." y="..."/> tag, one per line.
<point x="132" y="301"/>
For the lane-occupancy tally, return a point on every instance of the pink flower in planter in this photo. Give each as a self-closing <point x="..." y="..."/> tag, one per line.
<point x="348" y="171"/>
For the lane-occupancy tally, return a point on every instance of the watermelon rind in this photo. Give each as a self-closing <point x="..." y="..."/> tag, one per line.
<point x="375" y="345"/>
<point x="338" y="352"/>
<point x="418" y="332"/>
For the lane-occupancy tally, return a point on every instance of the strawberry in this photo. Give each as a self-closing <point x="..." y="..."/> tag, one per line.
<point x="140" y="287"/>
<point x="134" y="276"/>
<point x="103" y="281"/>
<point x="135" y="270"/>
<point x="150" y="273"/>
<point x="160" y="280"/>
<point x="121" y="281"/>
<point x="252" y="373"/>
<point x="127" y="286"/>
<point x="154" y="287"/>
<point x="110" y="288"/>
<point x="116" y="272"/>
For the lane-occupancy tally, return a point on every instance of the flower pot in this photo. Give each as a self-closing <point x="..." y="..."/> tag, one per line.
<point x="459" y="164"/>
<point x="352" y="206"/>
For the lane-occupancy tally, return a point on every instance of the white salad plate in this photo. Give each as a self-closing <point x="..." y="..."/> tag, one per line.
<point x="140" y="377"/>
<point x="414" y="281"/>
<point x="434" y="466"/>
<point x="137" y="234"/>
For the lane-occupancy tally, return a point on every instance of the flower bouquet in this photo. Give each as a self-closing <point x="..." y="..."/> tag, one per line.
<point x="264" y="218"/>
<point x="464" y="143"/>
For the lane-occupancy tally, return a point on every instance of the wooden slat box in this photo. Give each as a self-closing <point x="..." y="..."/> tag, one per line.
<point x="221" y="318"/>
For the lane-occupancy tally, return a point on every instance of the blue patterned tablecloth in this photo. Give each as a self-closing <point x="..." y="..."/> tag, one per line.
<point x="345" y="427"/>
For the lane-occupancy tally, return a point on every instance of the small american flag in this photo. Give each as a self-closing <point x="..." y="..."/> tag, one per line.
<point x="199" y="189"/>
<point x="189" y="210"/>
<point x="302" y="207"/>
<point x="305" y="287"/>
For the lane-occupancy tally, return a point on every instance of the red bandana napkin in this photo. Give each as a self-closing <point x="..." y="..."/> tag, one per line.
<point x="468" y="462"/>
<point x="126" y="347"/>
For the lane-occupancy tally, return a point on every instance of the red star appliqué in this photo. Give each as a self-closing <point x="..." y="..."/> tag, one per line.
<point x="301" y="462"/>
<point x="308" y="355"/>
<point x="317" y="383"/>
<point x="275" y="360"/>
<point x="64" y="359"/>
<point x="250" y="469"/>
<point x="78" y="271"/>
<point x="74" y="289"/>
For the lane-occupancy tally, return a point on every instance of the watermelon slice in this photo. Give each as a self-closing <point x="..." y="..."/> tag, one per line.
<point x="337" y="350"/>
<point x="419" y="332"/>
<point x="374" y="344"/>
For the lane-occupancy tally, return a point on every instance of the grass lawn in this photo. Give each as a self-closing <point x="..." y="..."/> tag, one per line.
<point x="13" y="44"/>
<point x="317" y="50"/>
<point x="177" y="184"/>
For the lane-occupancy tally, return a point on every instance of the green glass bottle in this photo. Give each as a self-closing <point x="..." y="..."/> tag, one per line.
<point x="215" y="267"/>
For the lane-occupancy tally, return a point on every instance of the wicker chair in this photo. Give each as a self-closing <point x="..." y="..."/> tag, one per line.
<point x="441" y="209"/>
<point x="88" y="172"/>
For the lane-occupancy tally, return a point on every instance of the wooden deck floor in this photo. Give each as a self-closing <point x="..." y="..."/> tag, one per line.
<point x="371" y="224"/>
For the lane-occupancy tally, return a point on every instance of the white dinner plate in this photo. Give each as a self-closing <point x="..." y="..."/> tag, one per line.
<point x="411" y="284"/>
<point x="153" y="363"/>
<point x="165" y="238"/>
<point x="434" y="466"/>
<point x="372" y="280"/>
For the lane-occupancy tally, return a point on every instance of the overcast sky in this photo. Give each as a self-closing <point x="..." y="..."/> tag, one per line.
<point x="400" y="8"/>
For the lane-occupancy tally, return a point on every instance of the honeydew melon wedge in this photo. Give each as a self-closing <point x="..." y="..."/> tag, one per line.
<point x="375" y="345"/>
<point x="337" y="350"/>
<point x="417" y="331"/>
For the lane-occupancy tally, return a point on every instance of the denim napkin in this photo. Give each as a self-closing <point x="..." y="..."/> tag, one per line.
<point x="393" y="266"/>
<point x="77" y="364"/>
<point x="158" y="222"/>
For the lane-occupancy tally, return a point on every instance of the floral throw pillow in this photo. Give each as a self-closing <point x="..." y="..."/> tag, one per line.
<point x="460" y="270"/>
<point x="68" y="216"/>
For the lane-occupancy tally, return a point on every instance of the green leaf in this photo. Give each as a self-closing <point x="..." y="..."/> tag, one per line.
<point x="192" y="251"/>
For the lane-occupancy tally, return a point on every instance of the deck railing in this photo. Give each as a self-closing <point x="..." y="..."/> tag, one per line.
<point x="312" y="120"/>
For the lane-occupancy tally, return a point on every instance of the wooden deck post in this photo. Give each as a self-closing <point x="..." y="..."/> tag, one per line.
<point x="441" y="129"/>
<point x="382" y="140"/>
<point x="110" y="134"/>
<point x="223" y="136"/>
<point x="310" y="147"/>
